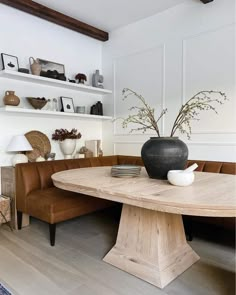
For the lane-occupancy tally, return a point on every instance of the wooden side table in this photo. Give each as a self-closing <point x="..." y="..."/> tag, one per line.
<point x="8" y="185"/>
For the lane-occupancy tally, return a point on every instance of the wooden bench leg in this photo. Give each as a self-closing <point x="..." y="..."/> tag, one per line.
<point x="52" y="232"/>
<point x="19" y="219"/>
<point x="188" y="227"/>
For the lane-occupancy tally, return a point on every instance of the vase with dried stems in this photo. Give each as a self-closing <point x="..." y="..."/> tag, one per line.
<point x="161" y="154"/>
<point x="67" y="140"/>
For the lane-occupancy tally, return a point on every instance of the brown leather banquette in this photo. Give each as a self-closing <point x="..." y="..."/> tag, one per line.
<point x="37" y="196"/>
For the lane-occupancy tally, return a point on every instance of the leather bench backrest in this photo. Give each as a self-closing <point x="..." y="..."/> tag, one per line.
<point x="35" y="176"/>
<point x="214" y="167"/>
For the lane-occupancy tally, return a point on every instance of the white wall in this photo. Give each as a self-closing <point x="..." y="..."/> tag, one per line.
<point x="24" y="35"/>
<point x="168" y="58"/>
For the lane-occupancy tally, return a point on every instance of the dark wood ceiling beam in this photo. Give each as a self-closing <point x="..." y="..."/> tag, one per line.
<point x="56" y="17"/>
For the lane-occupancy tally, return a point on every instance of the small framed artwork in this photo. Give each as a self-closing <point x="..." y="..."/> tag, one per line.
<point x="67" y="105"/>
<point x="9" y="62"/>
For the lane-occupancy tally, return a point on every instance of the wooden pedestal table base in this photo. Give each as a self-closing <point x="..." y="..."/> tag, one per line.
<point x="151" y="242"/>
<point x="151" y="245"/>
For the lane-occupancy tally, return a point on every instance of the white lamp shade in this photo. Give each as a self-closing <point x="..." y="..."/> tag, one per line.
<point x="19" y="143"/>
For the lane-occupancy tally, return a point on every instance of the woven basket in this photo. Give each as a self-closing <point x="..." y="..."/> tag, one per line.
<point x="5" y="209"/>
<point x="37" y="103"/>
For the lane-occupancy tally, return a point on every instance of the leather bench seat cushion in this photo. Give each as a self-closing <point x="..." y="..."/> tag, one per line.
<point x="54" y="205"/>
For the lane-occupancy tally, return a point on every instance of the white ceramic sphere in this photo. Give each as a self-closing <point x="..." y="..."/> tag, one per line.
<point x="180" y="178"/>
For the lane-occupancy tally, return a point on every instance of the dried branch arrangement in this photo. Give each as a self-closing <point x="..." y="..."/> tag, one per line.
<point x="145" y="115"/>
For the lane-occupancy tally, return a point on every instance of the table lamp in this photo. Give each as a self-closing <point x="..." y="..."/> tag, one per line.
<point x="19" y="143"/>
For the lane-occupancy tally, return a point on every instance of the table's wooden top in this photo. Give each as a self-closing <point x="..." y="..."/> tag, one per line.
<point x="211" y="194"/>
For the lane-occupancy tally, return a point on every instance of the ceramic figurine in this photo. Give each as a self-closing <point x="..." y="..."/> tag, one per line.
<point x="11" y="99"/>
<point x="35" y="66"/>
<point x="97" y="80"/>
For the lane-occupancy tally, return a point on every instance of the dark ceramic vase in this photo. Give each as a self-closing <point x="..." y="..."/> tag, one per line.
<point x="161" y="154"/>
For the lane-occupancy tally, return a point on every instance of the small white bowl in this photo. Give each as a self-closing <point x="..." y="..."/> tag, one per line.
<point x="180" y="178"/>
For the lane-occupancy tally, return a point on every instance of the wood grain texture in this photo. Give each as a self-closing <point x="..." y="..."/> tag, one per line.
<point x="8" y="186"/>
<point x="56" y="17"/>
<point x="211" y="194"/>
<point x="151" y="245"/>
<point x="151" y="242"/>
<point x="29" y="266"/>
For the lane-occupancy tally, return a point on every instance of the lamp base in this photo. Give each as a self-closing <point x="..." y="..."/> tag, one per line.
<point x="19" y="158"/>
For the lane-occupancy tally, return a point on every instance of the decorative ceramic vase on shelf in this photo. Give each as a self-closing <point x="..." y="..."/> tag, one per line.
<point x="68" y="147"/>
<point x="11" y="99"/>
<point x="161" y="154"/>
<point x="35" y="66"/>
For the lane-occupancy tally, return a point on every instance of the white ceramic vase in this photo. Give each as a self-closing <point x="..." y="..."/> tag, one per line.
<point x="68" y="147"/>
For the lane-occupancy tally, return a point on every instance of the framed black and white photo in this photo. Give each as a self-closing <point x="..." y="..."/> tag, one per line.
<point x="51" y="66"/>
<point x="9" y="62"/>
<point x="67" y="104"/>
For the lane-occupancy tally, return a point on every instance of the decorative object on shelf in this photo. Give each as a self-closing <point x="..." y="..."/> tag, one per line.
<point x="53" y="75"/>
<point x="35" y="66"/>
<point x="10" y="98"/>
<point x="55" y="107"/>
<point x="40" y="159"/>
<point x="161" y="154"/>
<point x="37" y="102"/>
<point x="97" y="79"/>
<point x="81" y="78"/>
<point x="82" y="152"/>
<point x="40" y="144"/>
<point x="19" y="143"/>
<point x="23" y="70"/>
<point x="50" y="156"/>
<point x="97" y="109"/>
<point x="52" y="69"/>
<point x="67" y="104"/>
<point x="9" y="62"/>
<point x="94" y="146"/>
<point x="67" y="140"/>
<point x="80" y="109"/>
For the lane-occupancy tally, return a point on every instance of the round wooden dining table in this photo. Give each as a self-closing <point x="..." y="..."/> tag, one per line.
<point x="151" y="242"/>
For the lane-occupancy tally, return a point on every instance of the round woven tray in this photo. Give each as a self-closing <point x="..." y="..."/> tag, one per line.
<point x="40" y="144"/>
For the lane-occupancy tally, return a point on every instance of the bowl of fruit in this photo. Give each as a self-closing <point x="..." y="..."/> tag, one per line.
<point x="37" y="102"/>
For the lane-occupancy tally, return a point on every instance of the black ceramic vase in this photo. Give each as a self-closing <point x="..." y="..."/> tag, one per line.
<point x="161" y="154"/>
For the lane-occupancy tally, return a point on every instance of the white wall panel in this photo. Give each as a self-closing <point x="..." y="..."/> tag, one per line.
<point x="142" y="72"/>
<point x="199" y="54"/>
<point x="209" y="65"/>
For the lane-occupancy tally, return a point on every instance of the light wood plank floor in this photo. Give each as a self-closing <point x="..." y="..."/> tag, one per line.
<point x="30" y="266"/>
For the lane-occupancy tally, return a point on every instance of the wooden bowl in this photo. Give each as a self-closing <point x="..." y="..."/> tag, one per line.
<point x="37" y="103"/>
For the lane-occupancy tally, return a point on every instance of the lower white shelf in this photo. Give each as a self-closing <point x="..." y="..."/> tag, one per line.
<point x="11" y="109"/>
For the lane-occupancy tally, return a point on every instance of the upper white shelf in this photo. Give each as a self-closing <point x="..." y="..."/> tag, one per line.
<point x="52" y="82"/>
<point x="11" y="109"/>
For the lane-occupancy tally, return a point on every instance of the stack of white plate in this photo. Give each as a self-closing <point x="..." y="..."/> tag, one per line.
<point x="125" y="171"/>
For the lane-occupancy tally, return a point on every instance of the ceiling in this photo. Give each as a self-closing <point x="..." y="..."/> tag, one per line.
<point x="108" y="15"/>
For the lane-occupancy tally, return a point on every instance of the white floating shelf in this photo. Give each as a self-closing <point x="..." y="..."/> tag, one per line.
<point x="52" y="82"/>
<point x="11" y="109"/>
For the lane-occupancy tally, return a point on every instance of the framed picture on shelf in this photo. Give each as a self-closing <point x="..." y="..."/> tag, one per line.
<point x="67" y="105"/>
<point x="51" y="69"/>
<point x="9" y="62"/>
